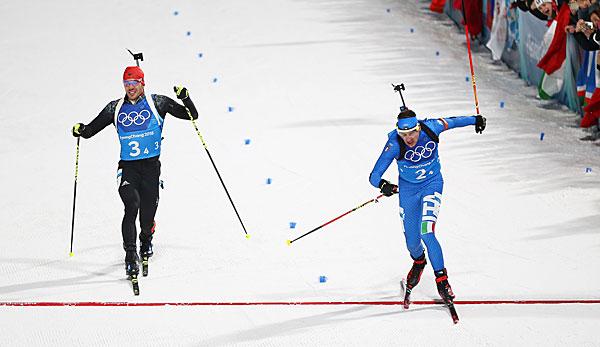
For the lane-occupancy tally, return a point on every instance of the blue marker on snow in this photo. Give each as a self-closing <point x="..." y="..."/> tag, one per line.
<point x="175" y="13"/>
<point x="215" y="80"/>
<point x="542" y="137"/>
<point x="467" y="78"/>
<point x="322" y="279"/>
<point x="269" y="180"/>
<point x="501" y="104"/>
<point x="230" y="109"/>
<point x="247" y="141"/>
<point x="189" y="33"/>
<point x="588" y="169"/>
<point x="292" y="225"/>
<point x="199" y="55"/>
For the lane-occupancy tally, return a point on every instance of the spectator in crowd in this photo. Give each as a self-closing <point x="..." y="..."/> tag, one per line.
<point x="584" y="7"/>
<point x="591" y="116"/>
<point x="580" y="25"/>
<point x="542" y="9"/>
<point x="590" y="29"/>
<point x="473" y="10"/>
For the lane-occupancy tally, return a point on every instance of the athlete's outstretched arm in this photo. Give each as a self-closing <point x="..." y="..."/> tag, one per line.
<point x="447" y="123"/>
<point x="102" y="120"/>
<point x="165" y="104"/>
<point x="457" y="122"/>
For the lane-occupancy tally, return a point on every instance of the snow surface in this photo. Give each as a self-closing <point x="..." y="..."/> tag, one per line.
<point x="309" y="84"/>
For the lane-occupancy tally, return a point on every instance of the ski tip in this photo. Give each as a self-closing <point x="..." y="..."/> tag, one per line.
<point x="71" y="254"/>
<point x="248" y="236"/>
<point x="288" y="242"/>
<point x="453" y="313"/>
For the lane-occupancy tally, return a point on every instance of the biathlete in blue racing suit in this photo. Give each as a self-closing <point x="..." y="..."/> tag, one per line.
<point x="414" y="146"/>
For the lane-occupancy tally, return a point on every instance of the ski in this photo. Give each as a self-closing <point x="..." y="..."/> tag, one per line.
<point x="453" y="313"/>
<point x="405" y="293"/>
<point x="135" y="284"/>
<point x="144" y="266"/>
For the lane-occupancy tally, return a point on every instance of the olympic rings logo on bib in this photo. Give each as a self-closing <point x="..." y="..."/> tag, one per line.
<point x="420" y="152"/>
<point x="133" y="117"/>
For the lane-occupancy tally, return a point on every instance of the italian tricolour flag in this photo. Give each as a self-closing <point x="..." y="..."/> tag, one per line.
<point x="553" y="61"/>
<point x="427" y="227"/>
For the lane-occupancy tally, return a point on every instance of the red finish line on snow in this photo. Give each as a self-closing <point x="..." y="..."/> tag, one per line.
<point x="295" y="303"/>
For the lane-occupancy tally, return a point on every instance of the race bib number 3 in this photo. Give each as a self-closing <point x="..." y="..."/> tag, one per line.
<point x="134" y="146"/>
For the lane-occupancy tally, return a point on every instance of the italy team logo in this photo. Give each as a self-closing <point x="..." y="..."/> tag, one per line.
<point x="431" y="209"/>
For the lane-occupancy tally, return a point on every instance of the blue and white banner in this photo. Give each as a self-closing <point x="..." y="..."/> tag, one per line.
<point x="531" y="46"/>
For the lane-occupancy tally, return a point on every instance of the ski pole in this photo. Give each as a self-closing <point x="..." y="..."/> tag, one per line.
<point x="218" y="174"/>
<point x="470" y="58"/>
<point x="74" y="195"/>
<point x="333" y="220"/>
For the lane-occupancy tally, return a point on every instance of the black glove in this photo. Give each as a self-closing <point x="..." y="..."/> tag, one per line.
<point x="479" y="124"/>
<point x="181" y="92"/>
<point x="387" y="188"/>
<point x="78" y="129"/>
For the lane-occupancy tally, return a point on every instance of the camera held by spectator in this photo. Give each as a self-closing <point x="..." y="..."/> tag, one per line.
<point x="590" y="28"/>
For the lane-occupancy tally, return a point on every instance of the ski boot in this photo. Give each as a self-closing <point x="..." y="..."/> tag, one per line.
<point x="146" y="247"/>
<point x="413" y="278"/>
<point x="132" y="270"/>
<point x="131" y="264"/>
<point x="444" y="289"/>
<point x="145" y="252"/>
<point x="146" y="241"/>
